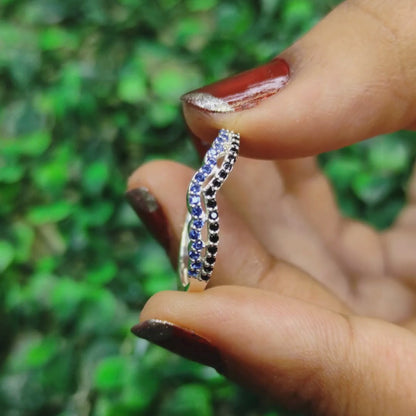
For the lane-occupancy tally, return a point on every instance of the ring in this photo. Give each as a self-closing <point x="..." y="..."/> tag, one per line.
<point x="200" y="234"/>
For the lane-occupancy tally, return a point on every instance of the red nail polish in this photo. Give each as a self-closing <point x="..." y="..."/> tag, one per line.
<point x="180" y="341"/>
<point x="150" y="212"/>
<point x="241" y="91"/>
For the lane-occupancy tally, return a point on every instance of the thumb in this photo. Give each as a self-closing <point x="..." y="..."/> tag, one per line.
<point x="297" y="353"/>
<point x="350" y="78"/>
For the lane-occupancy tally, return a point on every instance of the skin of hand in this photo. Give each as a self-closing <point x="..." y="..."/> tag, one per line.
<point x="305" y="306"/>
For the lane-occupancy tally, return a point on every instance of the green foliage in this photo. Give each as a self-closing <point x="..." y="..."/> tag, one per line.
<point x="89" y="90"/>
<point x="6" y="255"/>
<point x="369" y="178"/>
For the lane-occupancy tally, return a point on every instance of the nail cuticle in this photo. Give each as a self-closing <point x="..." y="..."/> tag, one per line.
<point x="180" y="341"/>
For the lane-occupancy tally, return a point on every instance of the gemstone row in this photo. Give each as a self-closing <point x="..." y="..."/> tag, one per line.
<point x="202" y="205"/>
<point x="212" y="209"/>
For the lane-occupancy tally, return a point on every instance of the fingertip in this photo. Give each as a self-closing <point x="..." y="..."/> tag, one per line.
<point x="344" y="86"/>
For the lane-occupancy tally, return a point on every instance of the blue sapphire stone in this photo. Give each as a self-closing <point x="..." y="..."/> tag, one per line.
<point x="193" y="234"/>
<point x="193" y="273"/>
<point x="195" y="188"/>
<point x="196" y="265"/>
<point x="219" y="147"/>
<point x="222" y="137"/>
<point x="194" y="199"/>
<point x="196" y="211"/>
<point x="213" y="153"/>
<point x="207" y="169"/>
<point x="194" y="255"/>
<point x="197" y="245"/>
<point x="200" y="177"/>
<point x="198" y="224"/>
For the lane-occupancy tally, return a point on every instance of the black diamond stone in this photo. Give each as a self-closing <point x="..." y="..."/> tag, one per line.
<point x="204" y="277"/>
<point x="211" y="203"/>
<point x="208" y="268"/>
<point x="227" y="166"/>
<point x="210" y="192"/>
<point x="214" y="226"/>
<point x="210" y="260"/>
<point x="216" y="183"/>
<point x="212" y="249"/>
<point x="222" y="174"/>
<point x="234" y="149"/>
<point x="232" y="158"/>
<point x="214" y="238"/>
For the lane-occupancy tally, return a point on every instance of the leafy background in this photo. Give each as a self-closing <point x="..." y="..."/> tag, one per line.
<point x="89" y="90"/>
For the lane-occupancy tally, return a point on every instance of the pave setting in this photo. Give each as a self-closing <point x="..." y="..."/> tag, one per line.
<point x="200" y="236"/>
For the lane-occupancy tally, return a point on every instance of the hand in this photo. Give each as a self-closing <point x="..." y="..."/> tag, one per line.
<point x="304" y="306"/>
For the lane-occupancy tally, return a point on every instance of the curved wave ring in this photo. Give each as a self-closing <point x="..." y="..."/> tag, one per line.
<point x="200" y="235"/>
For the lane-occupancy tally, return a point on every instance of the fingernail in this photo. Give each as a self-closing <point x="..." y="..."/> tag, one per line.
<point x="149" y="211"/>
<point x="180" y="341"/>
<point x="242" y="91"/>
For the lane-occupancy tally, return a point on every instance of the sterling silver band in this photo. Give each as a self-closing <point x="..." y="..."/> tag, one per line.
<point x="200" y="234"/>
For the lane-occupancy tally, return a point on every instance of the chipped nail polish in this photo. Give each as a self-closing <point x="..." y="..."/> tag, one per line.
<point x="241" y="91"/>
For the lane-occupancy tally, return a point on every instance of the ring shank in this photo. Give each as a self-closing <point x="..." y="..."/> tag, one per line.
<point x="197" y="254"/>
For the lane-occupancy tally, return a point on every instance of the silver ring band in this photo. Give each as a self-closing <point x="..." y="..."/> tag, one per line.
<point x="200" y="234"/>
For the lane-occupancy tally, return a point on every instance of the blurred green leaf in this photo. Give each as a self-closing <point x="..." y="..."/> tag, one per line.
<point x="156" y="271"/>
<point x="32" y="144"/>
<point x="42" y="352"/>
<point x="96" y="176"/>
<point x="371" y="188"/>
<point x="234" y="19"/>
<point x="11" y="173"/>
<point x="101" y="313"/>
<point x="54" y="212"/>
<point x="132" y="88"/>
<point x="102" y="274"/>
<point x="191" y="32"/>
<point x="45" y="12"/>
<point x="162" y="114"/>
<point x="24" y="236"/>
<point x="200" y="5"/>
<point x="342" y="170"/>
<point x="301" y="10"/>
<point x="54" y="37"/>
<point x="7" y="254"/>
<point x="390" y="155"/>
<point x="170" y="83"/>
<point x="51" y="176"/>
<point x="66" y="298"/>
<point x="188" y="400"/>
<point x="95" y="214"/>
<point x="110" y="373"/>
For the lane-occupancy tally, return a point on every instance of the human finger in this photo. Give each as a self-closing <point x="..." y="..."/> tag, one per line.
<point x="350" y="78"/>
<point x="241" y="259"/>
<point x="295" y="352"/>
